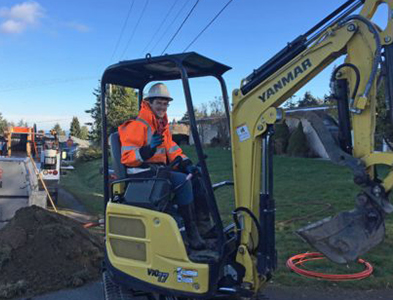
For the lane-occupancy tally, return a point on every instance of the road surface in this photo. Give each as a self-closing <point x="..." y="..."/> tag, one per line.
<point x="93" y="291"/>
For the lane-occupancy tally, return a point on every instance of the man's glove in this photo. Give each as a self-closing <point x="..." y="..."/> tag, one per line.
<point x="148" y="151"/>
<point x="156" y="140"/>
<point x="191" y="169"/>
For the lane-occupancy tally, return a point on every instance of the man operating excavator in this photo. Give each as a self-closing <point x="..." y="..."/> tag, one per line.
<point x="147" y="146"/>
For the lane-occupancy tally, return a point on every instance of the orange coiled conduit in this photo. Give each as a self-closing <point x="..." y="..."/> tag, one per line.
<point x="293" y="262"/>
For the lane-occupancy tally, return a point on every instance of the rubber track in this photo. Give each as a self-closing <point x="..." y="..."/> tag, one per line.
<point x="112" y="291"/>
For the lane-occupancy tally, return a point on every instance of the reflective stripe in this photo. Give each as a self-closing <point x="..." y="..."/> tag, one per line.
<point x="149" y="133"/>
<point x="173" y="149"/>
<point x="138" y="155"/>
<point x="136" y="170"/>
<point x="130" y="148"/>
<point x="160" y="151"/>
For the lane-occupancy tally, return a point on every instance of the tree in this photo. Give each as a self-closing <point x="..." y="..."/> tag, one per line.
<point x="309" y="100"/>
<point x="218" y="115"/>
<point x="384" y="126"/>
<point x="22" y="123"/>
<point x="297" y="144"/>
<point x="75" y="127"/>
<point x="3" y="124"/>
<point x="58" y="129"/>
<point x="84" y="133"/>
<point x="122" y="105"/>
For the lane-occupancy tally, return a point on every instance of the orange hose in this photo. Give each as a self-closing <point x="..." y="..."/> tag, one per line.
<point x="91" y="224"/>
<point x="302" y="258"/>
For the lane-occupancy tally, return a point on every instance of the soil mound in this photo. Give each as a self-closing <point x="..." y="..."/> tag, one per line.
<point x="42" y="251"/>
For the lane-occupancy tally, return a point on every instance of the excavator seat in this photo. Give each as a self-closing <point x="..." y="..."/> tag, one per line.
<point x="145" y="189"/>
<point x="119" y="169"/>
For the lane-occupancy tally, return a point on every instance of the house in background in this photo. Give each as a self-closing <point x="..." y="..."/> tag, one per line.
<point x="212" y="130"/>
<point x="180" y="133"/>
<point x="72" y="145"/>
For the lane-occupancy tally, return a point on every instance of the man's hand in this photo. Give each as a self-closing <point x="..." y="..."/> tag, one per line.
<point x="156" y="140"/>
<point x="191" y="169"/>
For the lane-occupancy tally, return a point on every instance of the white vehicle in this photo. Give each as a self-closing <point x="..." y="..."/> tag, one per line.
<point x="50" y="161"/>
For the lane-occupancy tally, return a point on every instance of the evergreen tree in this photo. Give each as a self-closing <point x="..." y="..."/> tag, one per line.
<point x="84" y="133"/>
<point x="309" y="100"/>
<point x="122" y="105"/>
<point x="297" y="144"/>
<point x="75" y="127"/>
<point x="22" y="123"/>
<point x="3" y="124"/>
<point x="384" y="127"/>
<point x="58" y="129"/>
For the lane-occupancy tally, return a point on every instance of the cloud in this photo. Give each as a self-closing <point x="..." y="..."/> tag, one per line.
<point x="11" y="26"/>
<point x="78" y="26"/>
<point x="20" y="16"/>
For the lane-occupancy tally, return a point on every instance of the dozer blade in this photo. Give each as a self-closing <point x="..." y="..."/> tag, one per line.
<point x="346" y="236"/>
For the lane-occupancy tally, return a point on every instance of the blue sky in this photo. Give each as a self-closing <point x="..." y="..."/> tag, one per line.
<point x="53" y="53"/>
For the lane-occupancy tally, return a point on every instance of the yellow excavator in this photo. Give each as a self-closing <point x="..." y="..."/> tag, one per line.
<point x="147" y="253"/>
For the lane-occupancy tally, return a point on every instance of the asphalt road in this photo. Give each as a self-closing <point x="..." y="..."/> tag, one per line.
<point x="94" y="291"/>
<point x="8" y="207"/>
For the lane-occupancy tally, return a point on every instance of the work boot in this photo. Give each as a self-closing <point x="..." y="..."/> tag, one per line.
<point x="203" y="214"/>
<point x="206" y="229"/>
<point x="194" y="239"/>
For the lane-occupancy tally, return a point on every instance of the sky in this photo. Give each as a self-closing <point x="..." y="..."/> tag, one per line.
<point x="53" y="52"/>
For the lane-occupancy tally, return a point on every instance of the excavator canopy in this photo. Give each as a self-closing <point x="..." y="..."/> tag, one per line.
<point x="137" y="73"/>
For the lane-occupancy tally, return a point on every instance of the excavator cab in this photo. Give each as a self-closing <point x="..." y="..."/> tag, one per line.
<point x="145" y="248"/>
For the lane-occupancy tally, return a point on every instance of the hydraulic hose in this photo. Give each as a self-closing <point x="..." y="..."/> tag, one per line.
<point x="357" y="72"/>
<point x="253" y="218"/>
<point x="377" y="58"/>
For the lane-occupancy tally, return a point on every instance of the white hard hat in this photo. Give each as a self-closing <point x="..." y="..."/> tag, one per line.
<point x="159" y="90"/>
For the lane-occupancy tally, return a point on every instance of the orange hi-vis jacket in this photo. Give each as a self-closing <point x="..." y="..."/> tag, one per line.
<point x="135" y="134"/>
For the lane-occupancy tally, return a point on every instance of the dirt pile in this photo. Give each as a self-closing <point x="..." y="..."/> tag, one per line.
<point x="42" y="251"/>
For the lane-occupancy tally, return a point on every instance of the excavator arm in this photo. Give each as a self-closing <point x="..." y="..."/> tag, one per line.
<point x="256" y="109"/>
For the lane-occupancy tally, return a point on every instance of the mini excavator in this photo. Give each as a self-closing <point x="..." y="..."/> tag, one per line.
<point x="146" y="252"/>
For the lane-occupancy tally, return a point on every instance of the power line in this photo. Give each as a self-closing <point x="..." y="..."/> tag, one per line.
<point x="184" y="21"/>
<point x="159" y="27"/>
<point x="203" y="30"/>
<point x="170" y="25"/>
<point x="123" y="28"/>
<point x="29" y="85"/>
<point x="136" y="26"/>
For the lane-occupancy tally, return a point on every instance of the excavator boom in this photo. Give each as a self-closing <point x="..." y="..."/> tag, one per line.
<point x="256" y="108"/>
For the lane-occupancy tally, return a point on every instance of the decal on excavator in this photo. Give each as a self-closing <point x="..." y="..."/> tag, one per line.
<point x="243" y="133"/>
<point x="162" y="276"/>
<point x="293" y="74"/>
<point x="186" y="275"/>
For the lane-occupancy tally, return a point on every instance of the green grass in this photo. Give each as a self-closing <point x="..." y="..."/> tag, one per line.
<point x="302" y="187"/>
<point x="85" y="183"/>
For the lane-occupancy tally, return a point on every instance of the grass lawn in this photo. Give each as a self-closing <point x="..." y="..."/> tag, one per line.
<point x="302" y="187"/>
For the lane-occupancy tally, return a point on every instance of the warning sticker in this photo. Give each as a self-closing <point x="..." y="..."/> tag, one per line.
<point x="243" y="133"/>
<point x="186" y="275"/>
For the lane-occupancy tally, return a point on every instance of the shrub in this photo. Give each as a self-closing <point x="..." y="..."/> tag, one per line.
<point x="297" y="144"/>
<point x="281" y="137"/>
<point x="90" y="153"/>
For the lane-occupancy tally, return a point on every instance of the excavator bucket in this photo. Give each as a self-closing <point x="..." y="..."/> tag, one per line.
<point x="346" y="236"/>
<point x="349" y="234"/>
